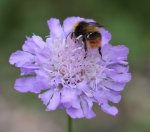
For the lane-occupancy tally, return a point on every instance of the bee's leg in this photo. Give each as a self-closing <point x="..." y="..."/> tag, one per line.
<point x="85" y="48"/>
<point x="99" y="49"/>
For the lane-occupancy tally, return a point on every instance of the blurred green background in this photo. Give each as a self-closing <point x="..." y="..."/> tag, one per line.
<point x="129" y="23"/>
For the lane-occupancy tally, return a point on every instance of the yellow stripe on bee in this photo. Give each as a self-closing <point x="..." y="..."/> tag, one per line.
<point x="75" y="25"/>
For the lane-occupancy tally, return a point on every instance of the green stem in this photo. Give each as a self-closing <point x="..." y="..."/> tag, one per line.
<point x="69" y="124"/>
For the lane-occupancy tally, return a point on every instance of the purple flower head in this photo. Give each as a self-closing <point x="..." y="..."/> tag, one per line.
<point x="57" y="70"/>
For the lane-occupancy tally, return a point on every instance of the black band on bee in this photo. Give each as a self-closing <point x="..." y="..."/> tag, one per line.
<point x="93" y="35"/>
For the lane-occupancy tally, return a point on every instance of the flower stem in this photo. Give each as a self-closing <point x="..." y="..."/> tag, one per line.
<point x="69" y="124"/>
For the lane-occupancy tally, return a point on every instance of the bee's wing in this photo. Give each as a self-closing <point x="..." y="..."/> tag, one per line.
<point x="95" y="24"/>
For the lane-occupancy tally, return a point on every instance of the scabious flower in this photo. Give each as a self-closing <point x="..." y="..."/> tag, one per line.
<point x="57" y="70"/>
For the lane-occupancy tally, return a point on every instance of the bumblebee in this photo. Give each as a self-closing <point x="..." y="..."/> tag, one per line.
<point x="89" y="33"/>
